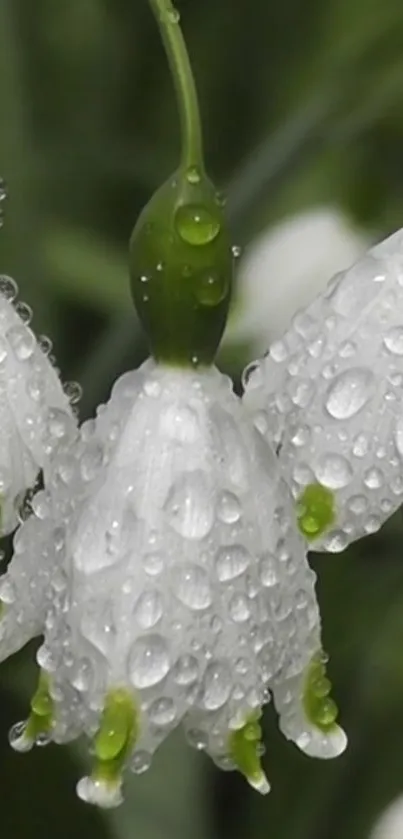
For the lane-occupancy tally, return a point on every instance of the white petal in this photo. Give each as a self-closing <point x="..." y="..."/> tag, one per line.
<point x="32" y="399"/>
<point x="330" y="394"/>
<point x="178" y="552"/>
<point x="284" y="269"/>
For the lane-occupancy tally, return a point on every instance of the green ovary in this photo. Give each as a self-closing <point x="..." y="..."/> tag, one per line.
<point x="315" y="511"/>
<point x="319" y="707"/>
<point x="116" y="735"/>
<point x="245" y="751"/>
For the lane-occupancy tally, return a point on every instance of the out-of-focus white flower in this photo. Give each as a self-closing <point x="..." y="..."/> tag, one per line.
<point x="285" y="268"/>
<point x="329" y="395"/>
<point x="390" y="823"/>
<point x="32" y="401"/>
<point x="174" y="587"/>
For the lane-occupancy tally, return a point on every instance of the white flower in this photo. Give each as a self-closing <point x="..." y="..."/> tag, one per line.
<point x="31" y="400"/>
<point x="178" y="589"/>
<point x="329" y="395"/>
<point x="283" y="270"/>
<point x="390" y="824"/>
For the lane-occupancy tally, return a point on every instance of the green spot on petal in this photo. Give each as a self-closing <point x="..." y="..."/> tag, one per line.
<point x="40" y="720"/>
<point x="117" y="733"/>
<point x="319" y="707"/>
<point x="315" y="511"/>
<point x="245" y="751"/>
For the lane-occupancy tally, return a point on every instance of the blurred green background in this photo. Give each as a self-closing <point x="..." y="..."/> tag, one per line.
<point x="302" y="102"/>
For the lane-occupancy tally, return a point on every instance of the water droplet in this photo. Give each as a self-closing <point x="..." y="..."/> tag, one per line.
<point x="24" y="312"/>
<point x="17" y="739"/>
<point x="236" y="251"/>
<point x="8" y="287"/>
<point x="186" y="670"/>
<point x="196" y="225"/>
<point x="228" y="508"/>
<point x="373" y="478"/>
<point x="162" y="712"/>
<point x="231" y="562"/>
<point x="333" y="471"/>
<point x="349" y="392"/>
<point x="211" y="288"/>
<point x="239" y="608"/>
<point x="393" y="340"/>
<point x="193" y="175"/>
<point x="179" y="422"/>
<point x="189" y="505"/>
<point x="216" y="685"/>
<point x="197" y="738"/>
<point x="45" y="344"/>
<point x="148" y="609"/>
<point x="59" y="423"/>
<point x="91" y="461"/>
<point x="153" y="563"/>
<point x="141" y="761"/>
<point x="148" y="661"/>
<point x="192" y="586"/>
<point x="336" y="541"/>
<point x="267" y="570"/>
<point x="357" y="504"/>
<point x="22" y="341"/>
<point x="83" y="675"/>
<point x="173" y="15"/>
<point x="73" y="391"/>
<point x="278" y="351"/>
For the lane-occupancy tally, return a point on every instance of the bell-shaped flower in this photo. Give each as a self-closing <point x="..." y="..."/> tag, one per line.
<point x="284" y="269"/>
<point x="33" y="405"/>
<point x="178" y="589"/>
<point x="329" y="396"/>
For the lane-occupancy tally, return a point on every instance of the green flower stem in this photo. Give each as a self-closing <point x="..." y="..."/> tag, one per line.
<point x="167" y="19"/>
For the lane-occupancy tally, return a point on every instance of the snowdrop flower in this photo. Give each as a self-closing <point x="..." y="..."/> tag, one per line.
<point x="329" y="396"/>
<point x="285" y="268"/>
<point x="32" y="403"/>
<point x="178" y="588"/>
<point x="162" y="562"/>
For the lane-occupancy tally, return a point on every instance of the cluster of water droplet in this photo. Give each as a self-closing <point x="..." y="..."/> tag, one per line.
<point x="177" y="571"/>
<point x="330" y="393"/>
<point x="32" y="402"/>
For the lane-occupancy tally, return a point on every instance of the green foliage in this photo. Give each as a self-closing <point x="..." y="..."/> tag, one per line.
<point x="302" y="102"/>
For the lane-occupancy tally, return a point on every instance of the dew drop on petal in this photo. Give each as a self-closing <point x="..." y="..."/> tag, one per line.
<point x="239" y="608"/>
<point x="179" y="422"/>
<point x="73" y="391"/>
<point x="141" y="761"/>
<point x="393" y="340"/>
<point x="333" y="471"/>
<point x="186" y="670"/>
<point x="217" y="685"/>
<point x="189" y="505"/>
<point x="153" y="563"/>
<point x="228" y="508"/>
<point x="231" y="562"/>
<point x="148" y="609"/>
<point x="162" y="712"/>
<point x="349" y="392"/>
<point x="192" y="586"/>
<point x="8" y="287"/>
<point x="24" y="312"/>
<point x="148" y="661"/>
<point x="22" y="341"/>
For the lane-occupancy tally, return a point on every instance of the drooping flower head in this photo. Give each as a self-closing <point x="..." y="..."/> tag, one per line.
<point x="172" y="583"/>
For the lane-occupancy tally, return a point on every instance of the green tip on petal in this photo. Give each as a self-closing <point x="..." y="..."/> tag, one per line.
<point x="319" y="707"/>
<point x="40" y="721"/>
<point x="245" y="750"/>
<point x="181" y="266"/>
<point x="315" y="511"/>
<point x="118" y="731"/>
